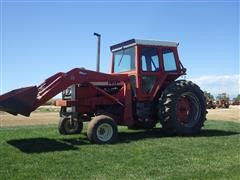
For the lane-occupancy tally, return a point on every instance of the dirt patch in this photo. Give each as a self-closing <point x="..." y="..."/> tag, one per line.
<point x="43" y="117"/>
<point x="230" y="114"/>
<point x="36" y="118"/>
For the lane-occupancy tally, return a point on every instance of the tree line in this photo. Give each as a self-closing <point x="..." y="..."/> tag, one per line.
<point x="222" y="96"/>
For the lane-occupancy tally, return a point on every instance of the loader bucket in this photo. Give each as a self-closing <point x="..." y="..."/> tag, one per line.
<point x="19" y="101"/>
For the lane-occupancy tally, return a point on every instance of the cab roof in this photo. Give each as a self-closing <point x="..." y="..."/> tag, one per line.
<point x="133" y="42"/>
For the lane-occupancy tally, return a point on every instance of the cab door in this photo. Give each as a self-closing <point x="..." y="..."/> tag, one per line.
<point x="149" y="71"/>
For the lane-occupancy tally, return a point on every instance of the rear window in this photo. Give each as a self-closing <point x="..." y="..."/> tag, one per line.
<point x="169" y="60"/>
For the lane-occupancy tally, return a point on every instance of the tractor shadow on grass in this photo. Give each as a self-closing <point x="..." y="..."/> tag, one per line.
<point x="41" y="145"/>
<point x="126" y="137"/>
<point x="45" y="145"/>
<point x="213" y="132"/>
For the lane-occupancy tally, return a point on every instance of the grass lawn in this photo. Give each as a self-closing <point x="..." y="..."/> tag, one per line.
<point x="39" y="152"/>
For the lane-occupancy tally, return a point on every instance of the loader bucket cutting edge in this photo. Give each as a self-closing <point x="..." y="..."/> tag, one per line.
<point x="19" y="101"/>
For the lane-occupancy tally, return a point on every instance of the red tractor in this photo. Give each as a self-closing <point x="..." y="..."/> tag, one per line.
<point x="140" y="91"/>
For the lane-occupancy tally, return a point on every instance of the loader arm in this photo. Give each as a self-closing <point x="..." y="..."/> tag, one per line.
<point x="25" y="100"/>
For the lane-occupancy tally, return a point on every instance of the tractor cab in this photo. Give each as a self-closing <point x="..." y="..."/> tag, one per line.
<point x="149" y="65"/>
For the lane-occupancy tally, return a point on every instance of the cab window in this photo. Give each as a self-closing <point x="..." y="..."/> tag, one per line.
<point x="124" y="60"/>
<point x="169" y="60"/>
<point x="149" y="59"/>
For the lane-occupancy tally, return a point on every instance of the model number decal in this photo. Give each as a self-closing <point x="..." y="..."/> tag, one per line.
<point x="114" y="82"/>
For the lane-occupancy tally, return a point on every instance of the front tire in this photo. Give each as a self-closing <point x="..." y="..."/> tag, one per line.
<point x="67" y="125"/>
<point x="182" y="108"/>
<point x="102" y="129"/>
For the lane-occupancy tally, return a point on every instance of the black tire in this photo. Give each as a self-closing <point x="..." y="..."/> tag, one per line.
<point x="65" y="126"/>
<point x="182" y="108"/>
<point x="102" y="129"/>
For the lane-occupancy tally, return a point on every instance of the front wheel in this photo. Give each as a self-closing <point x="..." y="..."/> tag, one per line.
<point x="182" y="108"/>
<point x="102" y="129"/>
<point x="69" y="125"/>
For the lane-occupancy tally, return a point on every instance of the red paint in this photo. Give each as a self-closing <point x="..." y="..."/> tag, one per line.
<point x="183" y="109"/>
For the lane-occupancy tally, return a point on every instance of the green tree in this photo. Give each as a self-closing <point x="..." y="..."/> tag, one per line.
<point x="223" y="96"/>
<point x="238" y="97"/>
<point x="209" y="96"/>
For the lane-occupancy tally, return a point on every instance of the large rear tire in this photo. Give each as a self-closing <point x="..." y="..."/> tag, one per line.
<point x="182" y="108"/>
<point x="102" y="129"/>
<point x="67" y="125"/>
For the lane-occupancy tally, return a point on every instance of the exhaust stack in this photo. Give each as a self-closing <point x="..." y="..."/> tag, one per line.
<point x="98" y="51"/>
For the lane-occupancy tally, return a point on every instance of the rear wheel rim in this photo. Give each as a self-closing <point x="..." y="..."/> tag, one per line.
<point x="104" y="132"/>
<point x="183" y="109"/>
<point x="188" y="109"/>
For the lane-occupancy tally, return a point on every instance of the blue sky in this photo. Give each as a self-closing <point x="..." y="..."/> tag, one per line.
<point x="40" y="38"/>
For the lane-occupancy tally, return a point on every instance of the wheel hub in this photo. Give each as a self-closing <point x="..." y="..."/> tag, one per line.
<point x="183" y="109"/>
<point x="104" y="132"/>
<point x="71" y="125"/>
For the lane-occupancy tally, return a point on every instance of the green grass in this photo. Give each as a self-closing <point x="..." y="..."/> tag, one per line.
<point x="39" y="152"/>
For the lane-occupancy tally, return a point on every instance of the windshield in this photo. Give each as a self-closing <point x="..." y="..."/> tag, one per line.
<point x="124" y="60"/>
